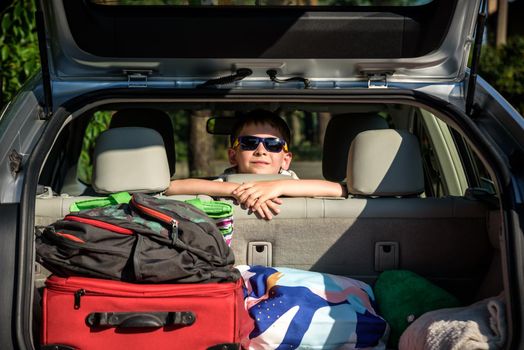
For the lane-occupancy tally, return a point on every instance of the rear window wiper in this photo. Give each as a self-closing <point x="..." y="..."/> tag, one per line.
<point x="240" y="74"/>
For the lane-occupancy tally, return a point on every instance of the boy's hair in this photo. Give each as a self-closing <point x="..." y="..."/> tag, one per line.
<point x="260" y="117"/>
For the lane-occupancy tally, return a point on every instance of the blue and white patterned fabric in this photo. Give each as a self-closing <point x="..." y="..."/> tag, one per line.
<point x="295" y="309"/>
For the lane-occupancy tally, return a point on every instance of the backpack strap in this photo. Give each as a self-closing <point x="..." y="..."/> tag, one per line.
<point x="112" y="199"/>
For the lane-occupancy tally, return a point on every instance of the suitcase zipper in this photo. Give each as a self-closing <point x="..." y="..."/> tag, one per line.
<point x="77" y="286"/>
<point x="78" y="294"/>
<point x="159" y="216"/>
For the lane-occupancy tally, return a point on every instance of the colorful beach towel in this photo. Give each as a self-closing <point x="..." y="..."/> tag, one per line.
<point x="294" y="309"/>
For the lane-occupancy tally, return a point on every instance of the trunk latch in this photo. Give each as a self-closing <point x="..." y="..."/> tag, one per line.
<point x="377" y="80"/>
<point x="137" y="78"/>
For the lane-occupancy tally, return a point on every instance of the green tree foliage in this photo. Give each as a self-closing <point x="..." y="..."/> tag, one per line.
<point x="180" y="121"/>
<point x="99" y="123"/>
<point x="503" y="68"/>
<point x="19" y="57"/>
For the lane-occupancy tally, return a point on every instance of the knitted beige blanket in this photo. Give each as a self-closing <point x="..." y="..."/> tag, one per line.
<point x="479" y="326"/>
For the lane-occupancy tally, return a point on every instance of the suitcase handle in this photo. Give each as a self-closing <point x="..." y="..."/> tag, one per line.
<point x="140" y="319"/>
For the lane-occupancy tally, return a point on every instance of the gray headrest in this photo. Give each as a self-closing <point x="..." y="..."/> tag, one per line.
<point x="385" y="163"/>
<point x="241" y="178"/>
<point x="130" y="159"/>
<point x="149" y="118"/>
<point x="340" y="132"/>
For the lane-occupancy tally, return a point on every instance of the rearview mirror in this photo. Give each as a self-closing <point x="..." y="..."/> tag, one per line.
<point x="220" y="125"/>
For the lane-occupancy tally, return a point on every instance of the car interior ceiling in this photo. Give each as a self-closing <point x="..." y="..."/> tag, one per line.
<point x="418" y="225"/>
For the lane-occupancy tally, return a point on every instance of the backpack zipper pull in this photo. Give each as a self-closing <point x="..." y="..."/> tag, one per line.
<point x="174" y="231"/>
<point x="78" y="294"/>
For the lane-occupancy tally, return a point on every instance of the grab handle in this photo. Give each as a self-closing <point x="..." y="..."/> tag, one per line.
<point x="140" y="319"/>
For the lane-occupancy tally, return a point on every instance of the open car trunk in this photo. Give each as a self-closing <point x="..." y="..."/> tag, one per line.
<point x="328" y="71"/>
<point x="444" y="235"/>
<point x="179" y="46"/>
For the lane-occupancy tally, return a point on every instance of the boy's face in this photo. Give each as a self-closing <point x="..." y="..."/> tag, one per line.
<point x="260" y="160"/>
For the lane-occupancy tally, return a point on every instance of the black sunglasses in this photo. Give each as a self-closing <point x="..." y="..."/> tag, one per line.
<point x="250" y="143"/>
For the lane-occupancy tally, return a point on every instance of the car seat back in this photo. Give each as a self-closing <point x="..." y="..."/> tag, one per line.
<point x="149" y="118"/>
<point x="130" y="159"/>
<point x="340" y="132"/>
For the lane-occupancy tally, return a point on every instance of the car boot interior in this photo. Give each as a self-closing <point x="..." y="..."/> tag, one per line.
<point x="430" y="205"/>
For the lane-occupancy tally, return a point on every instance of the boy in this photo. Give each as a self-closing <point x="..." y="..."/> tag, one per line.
<point x="259" y="145"/>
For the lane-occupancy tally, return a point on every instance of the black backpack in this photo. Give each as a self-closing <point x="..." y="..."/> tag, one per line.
<point x="149" y="240"/>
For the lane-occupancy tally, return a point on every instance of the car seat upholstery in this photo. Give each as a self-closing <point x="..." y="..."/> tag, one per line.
<point x="131" y="117"/>
<point x="385" y="163"/>
<point x="340" y="132"/>
<point x="153" y="119"/>
<point x="130" y="159"/>
<point x="382" y="225"/>
<point x="443" y="239"/>
<point x="241" y="178"/>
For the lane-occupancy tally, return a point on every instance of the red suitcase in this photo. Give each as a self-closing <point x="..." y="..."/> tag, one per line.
<point x="88" y="313"/>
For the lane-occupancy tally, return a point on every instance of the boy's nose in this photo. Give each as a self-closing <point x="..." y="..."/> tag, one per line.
<point x="260" y="149"/>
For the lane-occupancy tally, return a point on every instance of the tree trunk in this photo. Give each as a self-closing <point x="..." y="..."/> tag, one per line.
<point x="502" y="22"/>
<point x="2" y="92"/>
<point x="323" y="120"/>
<point x="309" y="128"/>
<point x="200" y="145"/>
<point x="296" y="130"/>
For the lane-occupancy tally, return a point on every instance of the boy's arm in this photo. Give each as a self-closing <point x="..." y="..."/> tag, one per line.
<point x="200" y="186"/>
<point x="220" y="189"/>
<point x="253" y="193"/>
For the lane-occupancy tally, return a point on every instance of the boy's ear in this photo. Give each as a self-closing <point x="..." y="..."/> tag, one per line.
<point x="286" y="161"/>
<point x="232" y="156"/>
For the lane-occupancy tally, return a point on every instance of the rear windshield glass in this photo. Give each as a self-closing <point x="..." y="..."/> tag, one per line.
<point x="263" y="2"/>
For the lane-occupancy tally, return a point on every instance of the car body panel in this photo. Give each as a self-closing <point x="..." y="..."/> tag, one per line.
<point x="445" y="62"/>
<point x="20" y="128"/>
<point x="81" y="80"/>
<point x="66" y="90"/>
<point x="453" y="175"/>
<point x="30" y="173"/>
<point x="9" y="215"/>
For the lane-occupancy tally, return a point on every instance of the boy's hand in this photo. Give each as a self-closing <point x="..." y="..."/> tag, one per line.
<point x="253" y="194"/>
<point x="269" y="208"/>
<point x="260" y="197"/>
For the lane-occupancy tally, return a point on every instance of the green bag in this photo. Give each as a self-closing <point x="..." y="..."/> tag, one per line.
<point x="221" y="212"/>
<point x="112" y="199"/>
<point x="403" y="296"/>
<point x="213" y="209"/>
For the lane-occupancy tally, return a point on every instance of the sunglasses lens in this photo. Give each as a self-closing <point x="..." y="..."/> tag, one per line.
<point x="248" y="143"/>
<point x="273" y="145"/>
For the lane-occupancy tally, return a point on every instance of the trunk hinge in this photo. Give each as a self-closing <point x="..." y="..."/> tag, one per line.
<point x="137" y="78"/>
<point x="15" y="163"/>
<point x="378" y="80"/>
<point x="479" y="32"/>
<point x="44" y="61"/>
